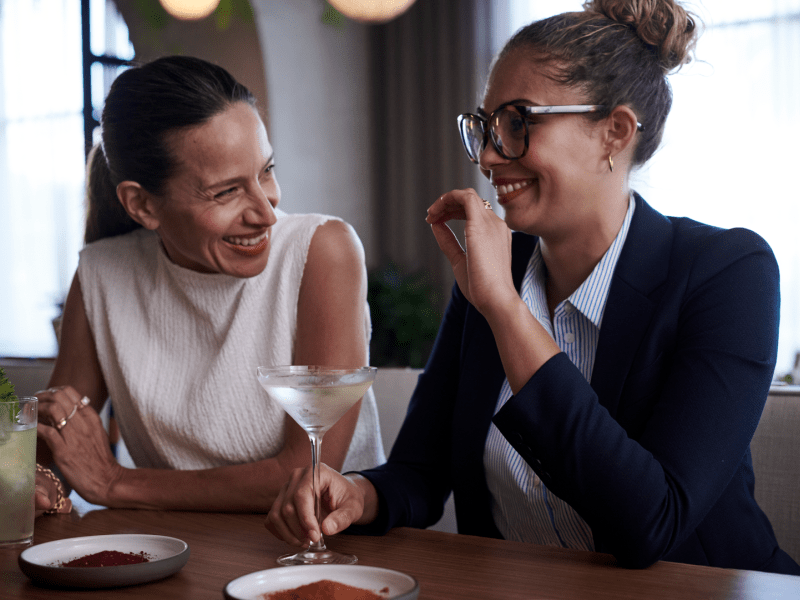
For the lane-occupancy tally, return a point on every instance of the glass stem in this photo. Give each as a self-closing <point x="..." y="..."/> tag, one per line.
<point x="316" y="443"/>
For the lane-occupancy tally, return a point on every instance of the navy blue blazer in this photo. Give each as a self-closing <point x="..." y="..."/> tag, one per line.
<point x="654" y="454"/>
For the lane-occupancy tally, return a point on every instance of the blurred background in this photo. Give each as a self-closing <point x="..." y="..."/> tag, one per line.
<point x="362" y="117"/>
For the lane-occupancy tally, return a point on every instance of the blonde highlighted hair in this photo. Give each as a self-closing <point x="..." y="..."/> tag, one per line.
<point x="616" y="52"/>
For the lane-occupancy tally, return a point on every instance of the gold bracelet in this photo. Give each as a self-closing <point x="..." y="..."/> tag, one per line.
<point x="61" y="499"/>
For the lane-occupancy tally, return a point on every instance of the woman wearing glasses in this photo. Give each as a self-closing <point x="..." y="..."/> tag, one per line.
<point x="600" y="372"/>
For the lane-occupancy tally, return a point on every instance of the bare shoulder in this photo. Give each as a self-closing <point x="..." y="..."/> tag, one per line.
<point x="330" y="308"/>
<point x="335" y="247"/>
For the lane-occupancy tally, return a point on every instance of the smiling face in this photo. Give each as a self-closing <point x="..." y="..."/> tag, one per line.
<point x="217" y="210"/>
<point x="551" y="190"/>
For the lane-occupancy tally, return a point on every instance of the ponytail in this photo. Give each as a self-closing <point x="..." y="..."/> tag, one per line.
<point x="105" y="215"/>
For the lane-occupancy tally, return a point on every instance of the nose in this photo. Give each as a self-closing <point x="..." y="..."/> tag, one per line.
<point x="489" y="157"/>
<point x="261" y="210"/>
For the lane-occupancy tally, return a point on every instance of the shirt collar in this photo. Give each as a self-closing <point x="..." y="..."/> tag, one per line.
<point x="591" y="296"/>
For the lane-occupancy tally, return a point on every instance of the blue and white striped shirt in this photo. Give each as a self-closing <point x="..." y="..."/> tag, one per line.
<point x="522" y="507"/>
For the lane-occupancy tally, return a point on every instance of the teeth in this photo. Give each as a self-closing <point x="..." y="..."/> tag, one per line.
<point x="240" y="241"/>
<point x="502" y="190"/>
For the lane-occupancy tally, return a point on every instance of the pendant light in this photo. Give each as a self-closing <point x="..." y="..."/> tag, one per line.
<point x="189" y="10"/>
<point x="371" y="11"/>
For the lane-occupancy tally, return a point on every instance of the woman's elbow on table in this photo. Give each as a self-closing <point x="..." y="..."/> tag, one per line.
<point x="638" y="550"/>
<point x="636" y="560"/>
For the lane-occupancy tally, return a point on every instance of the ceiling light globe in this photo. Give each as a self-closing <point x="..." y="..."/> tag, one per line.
<point x="189" y="10"/>
<point x="371" y="11"/>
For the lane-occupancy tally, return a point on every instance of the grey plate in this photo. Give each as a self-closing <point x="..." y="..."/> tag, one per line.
<point x="255" y="585"/>
<point x="167" y="556"/>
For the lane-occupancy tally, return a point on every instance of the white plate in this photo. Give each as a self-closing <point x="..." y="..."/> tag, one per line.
<point x="166" y="555"/>
<point x="255" y="585"/>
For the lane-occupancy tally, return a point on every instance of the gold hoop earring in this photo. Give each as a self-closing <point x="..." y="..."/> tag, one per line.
<point x="610" y="164"/>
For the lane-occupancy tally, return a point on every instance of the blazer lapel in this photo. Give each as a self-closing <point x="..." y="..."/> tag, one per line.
<point x="642" y="267"/>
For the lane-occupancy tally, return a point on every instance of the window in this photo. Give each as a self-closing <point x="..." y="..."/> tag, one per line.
<point x="42" y="158"/>
<point x="729" y="155"/>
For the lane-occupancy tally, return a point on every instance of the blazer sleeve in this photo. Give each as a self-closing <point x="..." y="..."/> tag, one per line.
<point x="416" y="480"/>
<point x="643" y="494"/>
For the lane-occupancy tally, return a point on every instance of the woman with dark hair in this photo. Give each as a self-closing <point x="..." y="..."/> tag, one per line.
<point x="191" y="278"/>
<point x="599" y="372"/>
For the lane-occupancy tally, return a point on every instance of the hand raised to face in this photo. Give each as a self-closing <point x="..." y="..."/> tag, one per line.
<point x="483" y="268"/>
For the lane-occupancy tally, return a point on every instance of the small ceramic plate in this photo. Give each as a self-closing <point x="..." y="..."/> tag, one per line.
<point x="388" y="584"/>
<point x="165" y="555"/>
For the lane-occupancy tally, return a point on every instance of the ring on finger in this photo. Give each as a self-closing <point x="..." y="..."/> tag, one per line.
<point x="72" y="414"/>
<point x="487" y="205"/>
<point x="84" y="402"/>
<point x="61" y="423"/>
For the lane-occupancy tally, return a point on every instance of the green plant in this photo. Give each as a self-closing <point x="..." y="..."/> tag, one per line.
<point x="405" y="318"/>
<point x="7" y="394"/>
<point x="6" y="388"/>
<point x="332" y="17"/>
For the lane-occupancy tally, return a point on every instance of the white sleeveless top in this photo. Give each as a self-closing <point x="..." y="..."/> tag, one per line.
<point x="179" y="350"/>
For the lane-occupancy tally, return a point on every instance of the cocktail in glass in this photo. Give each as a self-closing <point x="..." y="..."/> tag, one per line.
<point x="316" y="398"/>
<point x="17" y="470"/>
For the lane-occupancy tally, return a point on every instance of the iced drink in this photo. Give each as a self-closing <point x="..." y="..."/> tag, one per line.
<point x="17" y="470"/>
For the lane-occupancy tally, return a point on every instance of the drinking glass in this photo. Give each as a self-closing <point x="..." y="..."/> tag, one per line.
<point x="316" y="398"/>
<point x="17" y="470"/>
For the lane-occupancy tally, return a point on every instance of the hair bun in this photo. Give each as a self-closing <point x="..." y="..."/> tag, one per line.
<point x="665" y="25"/>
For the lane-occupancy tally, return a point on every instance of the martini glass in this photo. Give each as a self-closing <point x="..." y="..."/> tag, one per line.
<point x="316" y="397"/>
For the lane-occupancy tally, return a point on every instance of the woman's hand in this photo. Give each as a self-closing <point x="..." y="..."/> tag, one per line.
<point x="483" y="270"/>
<point x="75" y="435"/>
<point x="49" y="492"/>
<point x="292" y="518"/>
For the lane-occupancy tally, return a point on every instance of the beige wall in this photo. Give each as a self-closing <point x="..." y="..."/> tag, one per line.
<point x="319" y="112"/>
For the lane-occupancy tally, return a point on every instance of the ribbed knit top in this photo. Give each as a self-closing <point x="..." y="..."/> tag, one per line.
<point x="179" y="350"/>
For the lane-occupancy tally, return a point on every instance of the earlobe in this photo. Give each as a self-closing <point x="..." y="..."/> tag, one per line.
<point x="138" y="203"/>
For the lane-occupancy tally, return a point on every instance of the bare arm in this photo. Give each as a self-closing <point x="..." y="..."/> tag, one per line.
<point x="330" y="331"/>
<point x="76" y="365"/>
<point x="331" y="325"/>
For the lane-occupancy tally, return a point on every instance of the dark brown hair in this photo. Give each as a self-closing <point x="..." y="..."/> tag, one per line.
<point x="144" y="105"/>
<point x="617" y="52"/>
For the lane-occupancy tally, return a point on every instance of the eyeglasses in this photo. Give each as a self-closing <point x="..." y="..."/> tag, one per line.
<point x="508" y="128"/>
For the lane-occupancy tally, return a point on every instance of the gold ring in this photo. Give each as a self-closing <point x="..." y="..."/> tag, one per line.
<point x="487" y="205"/>
<point x="84" y="401"/>
<point x="61" y="423"/>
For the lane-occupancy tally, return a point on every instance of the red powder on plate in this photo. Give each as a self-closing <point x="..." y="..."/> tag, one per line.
<point x="108" y="558"/>
<point x="325" y="590"/>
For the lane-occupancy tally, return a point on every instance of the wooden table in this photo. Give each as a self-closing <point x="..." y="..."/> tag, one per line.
<point x="226" y="546"/>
